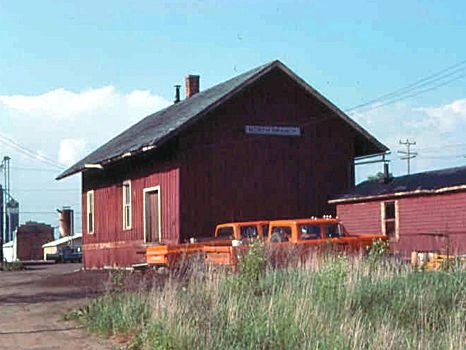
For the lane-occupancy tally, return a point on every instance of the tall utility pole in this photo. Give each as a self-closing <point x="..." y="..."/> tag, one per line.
<point x="6" y="193"/>
<point x="408" y="154"/>
<point x="5" y="167"/>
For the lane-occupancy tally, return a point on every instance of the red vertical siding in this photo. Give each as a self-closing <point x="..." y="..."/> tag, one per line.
<point x="360" y="217"/>
<point x="228" y="175"/>
<point x="110" y="245"/>
<point x="424" y="222"/>
<point x="424" y="219"/>
<point x="29" y="241"/>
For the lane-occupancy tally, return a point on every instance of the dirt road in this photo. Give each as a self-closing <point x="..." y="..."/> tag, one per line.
<point x="32" y="304"/>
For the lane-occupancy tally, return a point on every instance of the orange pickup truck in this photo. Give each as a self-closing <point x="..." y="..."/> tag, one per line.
<point x="303" y="235"/>
<point x="227" y="234"/>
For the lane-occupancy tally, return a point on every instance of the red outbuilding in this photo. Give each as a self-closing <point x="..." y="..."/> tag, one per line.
<point x="420" y="212"/>
<point x="29" y="240"/>
<point x="262" y="145"/>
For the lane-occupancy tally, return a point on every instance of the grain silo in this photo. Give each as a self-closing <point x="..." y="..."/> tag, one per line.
<point x="66" y="221"/>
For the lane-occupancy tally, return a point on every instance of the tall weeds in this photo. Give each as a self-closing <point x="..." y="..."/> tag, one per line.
<point x="336" y="302"/>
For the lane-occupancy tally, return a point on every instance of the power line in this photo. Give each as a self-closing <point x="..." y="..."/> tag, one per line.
<point x="34" y="169"/>
<point x="431" y="82"/>
<point x="45" y="212"/>
<point x="461" y="156"/>
<point x="47" y="190"/>
<point x="29" y="153"/>
<point x="411" y="95"/>
<point x="441" y="147"/>
<point x="418" y="83"/>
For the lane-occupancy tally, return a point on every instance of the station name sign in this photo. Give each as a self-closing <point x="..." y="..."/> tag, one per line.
<point x="273" y="130"/>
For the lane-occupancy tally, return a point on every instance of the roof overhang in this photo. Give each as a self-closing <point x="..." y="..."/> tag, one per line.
<point x="103" y="163"/>
<point x="421" y="192"/>
<point x="62" y="240"/>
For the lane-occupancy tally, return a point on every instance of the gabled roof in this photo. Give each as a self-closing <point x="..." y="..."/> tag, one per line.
<point x="429" y="182"/>
<point x="155" y="129"/>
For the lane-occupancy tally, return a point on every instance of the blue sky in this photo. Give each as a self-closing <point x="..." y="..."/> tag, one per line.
<point x="72" y="75"/>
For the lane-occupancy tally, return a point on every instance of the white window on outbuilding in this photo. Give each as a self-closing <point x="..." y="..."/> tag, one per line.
<point x="90" y="212"/>
<point x="126" y="205"/>
<point x="390" y="219"/>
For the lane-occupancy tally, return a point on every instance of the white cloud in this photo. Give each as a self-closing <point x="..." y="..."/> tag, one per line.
<point x="447" y="117"/>
<point x="71" y="150"/>
<point x="66" y="124"/>
<point x="61" y="104"/>
<point x="437" y="130"/>
<point x="142" y="99"/>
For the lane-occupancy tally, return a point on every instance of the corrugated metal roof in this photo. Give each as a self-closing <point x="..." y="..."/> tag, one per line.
<point x="156" y="128"/>
<point x="429" y="182"/>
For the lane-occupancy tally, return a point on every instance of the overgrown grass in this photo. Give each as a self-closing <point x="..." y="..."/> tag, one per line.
<point x="336" y="302"/>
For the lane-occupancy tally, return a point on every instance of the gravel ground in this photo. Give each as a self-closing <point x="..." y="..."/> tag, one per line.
<point x="33" y="302"/>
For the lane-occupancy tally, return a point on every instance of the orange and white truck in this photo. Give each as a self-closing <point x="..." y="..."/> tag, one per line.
<point x="298" y="237"/>
<point x="226" y="234"/>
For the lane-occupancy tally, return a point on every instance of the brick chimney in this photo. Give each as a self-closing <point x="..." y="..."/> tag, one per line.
<point x="192" y="85"/>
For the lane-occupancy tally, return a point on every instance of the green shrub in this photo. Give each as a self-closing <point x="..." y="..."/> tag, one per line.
<point x="252" y="265"/>
<point x="378" y="249"/>
<point x="251" y="268"/>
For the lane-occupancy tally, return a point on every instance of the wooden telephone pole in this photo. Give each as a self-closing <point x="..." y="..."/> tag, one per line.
<point x="408" y="154"/>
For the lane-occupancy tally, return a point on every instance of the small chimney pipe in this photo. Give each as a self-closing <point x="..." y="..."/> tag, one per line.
<point x="192" y="85"/>
<point x="177" y="93"/>
<point x="386" y="173"/>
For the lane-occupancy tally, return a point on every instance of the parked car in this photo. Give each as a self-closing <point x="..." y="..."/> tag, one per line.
<point x="66" y="254"/>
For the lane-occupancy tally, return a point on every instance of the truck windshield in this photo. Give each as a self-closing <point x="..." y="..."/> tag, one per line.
<point x="280" y="234"/>
<point x="225" y="232"/>
<point x="249" y="231"/>
<point x="333" y="230"/>
<point x="307" y="231"/>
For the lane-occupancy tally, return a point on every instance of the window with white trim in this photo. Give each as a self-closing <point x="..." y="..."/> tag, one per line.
<point x="390" y="219"/>
<point x="126" y="205"/>
<point x="90" y="212"/>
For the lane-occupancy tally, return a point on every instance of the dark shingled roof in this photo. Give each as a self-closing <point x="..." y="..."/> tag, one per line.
<point x="157" y="128"/>
<point x="428" y="182"/>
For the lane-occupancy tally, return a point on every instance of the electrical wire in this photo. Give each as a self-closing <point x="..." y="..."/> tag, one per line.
<point x="28" y="153"/>
<point x="458" y="156"/>
<point x="46" y="190"/>
<point x="46" y="212"/>
<point x="369" y="108"/>
<point x="431" y="82"/>
<point x="441" y="147"/>
<point x="34" y="169"/>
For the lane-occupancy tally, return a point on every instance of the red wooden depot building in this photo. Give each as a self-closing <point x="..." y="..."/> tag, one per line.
<point x="420" y="212"/>
<point x="261" y="145"/>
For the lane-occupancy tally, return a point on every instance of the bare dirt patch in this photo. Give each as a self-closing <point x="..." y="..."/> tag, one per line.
<point x="33" y="302"/>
